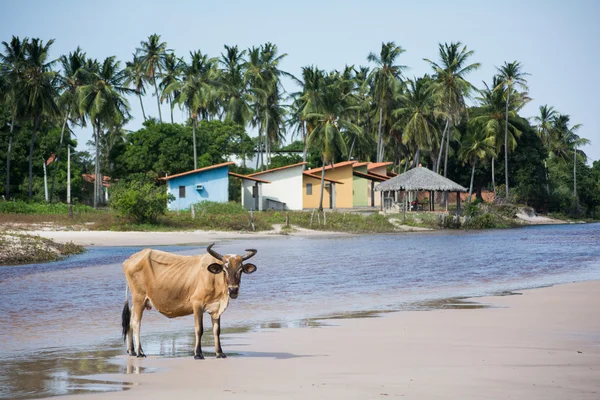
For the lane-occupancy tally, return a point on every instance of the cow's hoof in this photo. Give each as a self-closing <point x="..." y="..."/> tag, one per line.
<point x="141" y="355"/>
<point x="132" y="353"/>
<point x="221" y="355"/>
<point x="199" y="357"/>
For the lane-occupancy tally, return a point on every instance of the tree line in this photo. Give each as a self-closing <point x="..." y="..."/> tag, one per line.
<point x="371" y="112"/>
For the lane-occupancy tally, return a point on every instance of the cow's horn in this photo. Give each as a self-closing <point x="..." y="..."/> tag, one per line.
<point x="214" y="253"/>
<point x="251" y="252"/>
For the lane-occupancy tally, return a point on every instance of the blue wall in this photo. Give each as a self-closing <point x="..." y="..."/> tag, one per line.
<point x="215" y="184"/>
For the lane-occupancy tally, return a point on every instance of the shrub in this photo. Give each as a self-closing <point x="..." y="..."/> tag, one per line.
<point x="23" y="207"/>
<point x="140" y="199"/>
<point x="485" y="221"/>
<point x="213" y="207"/>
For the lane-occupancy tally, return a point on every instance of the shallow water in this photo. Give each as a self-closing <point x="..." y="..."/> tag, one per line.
<point x="65" y="316"/>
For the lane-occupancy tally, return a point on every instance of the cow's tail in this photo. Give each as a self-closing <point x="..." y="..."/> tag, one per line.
<point x="126" y="315"/>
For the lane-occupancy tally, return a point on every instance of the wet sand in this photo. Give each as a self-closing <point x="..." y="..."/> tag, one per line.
<point x="543" y="344"/>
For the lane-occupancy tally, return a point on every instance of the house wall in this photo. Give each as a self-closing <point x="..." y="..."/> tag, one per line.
<point x="361" y="188"/>
<point x="343" y="193"/>
<point x="312" y="201"/>
<point x="381" y="171"/>
<point x="285" y="187"/>
<point x="215" y="184"/>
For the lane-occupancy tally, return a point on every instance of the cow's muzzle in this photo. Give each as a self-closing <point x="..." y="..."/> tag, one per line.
<point x="233" y="292"/>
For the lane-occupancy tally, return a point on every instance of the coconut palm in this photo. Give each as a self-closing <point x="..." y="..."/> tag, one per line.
<point x="135" y="79"/>
<point x="386" y="78"/>
<point x="452" y="88"/>
<point x="152" y="54"/>
<point x="545" y="132"/>
<point x="173" y="67"/>
<point x="102" y="98"/>
<point x="39" y="90"/>
<point x="330" y="121"/>
<point x="234" y="88"/>
<point x="12" y="63"/>
<point x="491" y="120"/>
<point x="71" y="79"/>
<point x="511" y="75"/>
<point x="477" y="145"/>
<point x="416" y="116"/>
<point x="196" y="91"/>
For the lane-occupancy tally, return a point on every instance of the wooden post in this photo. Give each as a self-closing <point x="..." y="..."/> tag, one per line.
<point x="381" y="200"/>
<point x="458" y="203"/>
<point x="404" y="208"/>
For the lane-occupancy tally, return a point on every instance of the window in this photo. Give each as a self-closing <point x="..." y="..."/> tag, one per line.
<point x="308" y="189"/>
<point x="181" y="192"/>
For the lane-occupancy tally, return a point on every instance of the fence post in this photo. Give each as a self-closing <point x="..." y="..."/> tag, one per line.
<point x="193" y="210"/>
<point x="252" y="220"/>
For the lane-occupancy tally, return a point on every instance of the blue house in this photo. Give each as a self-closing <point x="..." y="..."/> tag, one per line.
<point x="208" y="183"/>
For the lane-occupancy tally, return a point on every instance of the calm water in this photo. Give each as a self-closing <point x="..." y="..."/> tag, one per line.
<point x="60" y="322"/>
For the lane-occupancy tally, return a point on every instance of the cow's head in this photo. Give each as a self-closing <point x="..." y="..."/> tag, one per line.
<point x="232" y="266"/>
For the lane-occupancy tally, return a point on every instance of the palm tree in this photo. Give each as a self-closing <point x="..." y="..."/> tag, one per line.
<point x="152" y="56"/>
<point x="12" y="64"/>
<point x="173" y="67"/>
<point x="546" y="132"/>
<point x="135" y="78"/>
<point x="234" y="88"/>
<point x="39" y="90"/>
<point x="330" y="120"/>
<point x="417" y="116"/>
<point x="491" y="120"/>
<point x="196" y="90"/>
<point x="452" y="88"/>
<point x="103" y="100"/>
<point x="567" y="142"/>
<point x="70" y="80"/>
<point x="476" y="146"/>
<point x="510" y="75"/>
<point x="387" y="82"/>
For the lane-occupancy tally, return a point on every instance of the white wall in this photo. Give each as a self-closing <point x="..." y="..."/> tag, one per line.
<point x="285" y="186"/>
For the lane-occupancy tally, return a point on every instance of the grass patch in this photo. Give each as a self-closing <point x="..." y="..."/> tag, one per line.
<point x="487" y="221"/>
<point x="333" y="221"/>
<point x="26" y="249"/>
<point x="22" y="207"/>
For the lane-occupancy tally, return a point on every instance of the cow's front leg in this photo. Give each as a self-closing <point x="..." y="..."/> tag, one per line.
<point x="216" y="324"/>
<point x="136" y="325"/>
<point x="199" y="330"/>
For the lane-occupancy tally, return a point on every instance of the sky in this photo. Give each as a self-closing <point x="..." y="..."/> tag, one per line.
<point x="557" y="42"/>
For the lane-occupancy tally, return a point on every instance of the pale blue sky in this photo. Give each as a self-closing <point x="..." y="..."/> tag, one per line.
<point x="557" y="42"/>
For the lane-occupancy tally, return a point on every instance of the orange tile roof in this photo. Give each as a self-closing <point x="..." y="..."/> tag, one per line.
<point x="360" y="164"/>
<point x="378" y="164"/>
<point x="384" y="177"/>
<point x="91" y="178"/>
<point x="199" y="170"/>
<point x="277" y="169"/>
<point x="307" y="173"/>
<point x="371" y="177"/>
<point x="248" y="177"/>
<point x="328" y="167"/>
<point x="392" y="173"/>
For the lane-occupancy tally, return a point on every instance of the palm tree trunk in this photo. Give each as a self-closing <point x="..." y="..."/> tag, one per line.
<point x="439" y="160"/>
<point x="547" y="178"/>
<point x="351" y="149"/>
<point x="417" y="157"/>
<point x="8" y="153"/>
<point x="506" y="143"/>
<point x="259" y="147"/>
<point x="493" y="176"/>
<point x="171" y="107"/>
<point x="305" y="144"/>
<point x="446" y="155"/>
<point x="472" y="177"/>
<point x="379" y="139"/>
<point x="69" y="181"/>
<point x="322" y="187"/>
<point x="62" y="135"/>
<point x="267" y="139"/>
<point x="142" y="105"/>
<point x="157" y="99"/>
<point x="575" y="173"/>
<point x="97" y="167"/>
<point x="194" y="124"/>
<point x="33" y="132"/>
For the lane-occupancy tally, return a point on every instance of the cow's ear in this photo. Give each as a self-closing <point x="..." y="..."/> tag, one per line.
<point x="215" y="268"/>
<point x="248" y="268"/>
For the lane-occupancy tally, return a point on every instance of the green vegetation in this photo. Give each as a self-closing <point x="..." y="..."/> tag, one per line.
<point x="26" y="249"/>
<point x="331" y="221"/>
<point x="370" y="113"/>
<point x="140" y="200"/>
<point x="23" y="207"/>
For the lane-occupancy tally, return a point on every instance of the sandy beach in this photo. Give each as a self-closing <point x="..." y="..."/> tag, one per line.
<point x="543" y="344"/>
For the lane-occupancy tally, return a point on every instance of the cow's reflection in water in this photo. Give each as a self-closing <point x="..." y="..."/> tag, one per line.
<point x="181" y="285"/>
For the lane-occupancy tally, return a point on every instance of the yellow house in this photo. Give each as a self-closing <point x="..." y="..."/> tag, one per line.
<point x="338" y="186"/>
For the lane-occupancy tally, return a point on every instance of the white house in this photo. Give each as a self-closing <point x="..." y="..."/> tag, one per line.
<point x="283" y="193"/>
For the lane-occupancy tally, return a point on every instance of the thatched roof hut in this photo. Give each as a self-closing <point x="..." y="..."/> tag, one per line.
<point x="420" y="179"/>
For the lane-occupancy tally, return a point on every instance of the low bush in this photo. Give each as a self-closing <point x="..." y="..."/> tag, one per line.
<point x="140" y="200"/>
<point x="23" y="207"/>
<point x="486" y="221"/>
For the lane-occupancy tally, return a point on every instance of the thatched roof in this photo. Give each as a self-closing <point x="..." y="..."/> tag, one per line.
<point x="420" y="179"/>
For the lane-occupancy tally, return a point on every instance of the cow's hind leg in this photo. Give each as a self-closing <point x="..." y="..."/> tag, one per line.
<point x="199" y="330"/>
<point x="216" y="323"/>
<point x="136" y="324"/>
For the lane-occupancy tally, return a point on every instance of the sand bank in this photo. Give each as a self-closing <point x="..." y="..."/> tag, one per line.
<point x="543" y="344"/>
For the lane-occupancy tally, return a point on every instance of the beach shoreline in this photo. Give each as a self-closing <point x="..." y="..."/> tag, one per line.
<point x="543" y="343"/>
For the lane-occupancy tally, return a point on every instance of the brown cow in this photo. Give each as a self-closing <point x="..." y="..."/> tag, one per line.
<point x="181" y="285"/>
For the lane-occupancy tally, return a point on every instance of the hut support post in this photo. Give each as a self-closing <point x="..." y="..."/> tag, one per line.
<point x="381" y="200"/>
<point x="445" y="197"/>
<point x="458" y="204"/>
<point x="404" y="208"/>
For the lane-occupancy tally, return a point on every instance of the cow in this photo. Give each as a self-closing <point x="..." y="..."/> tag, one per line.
<point x="178" y="285"/>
